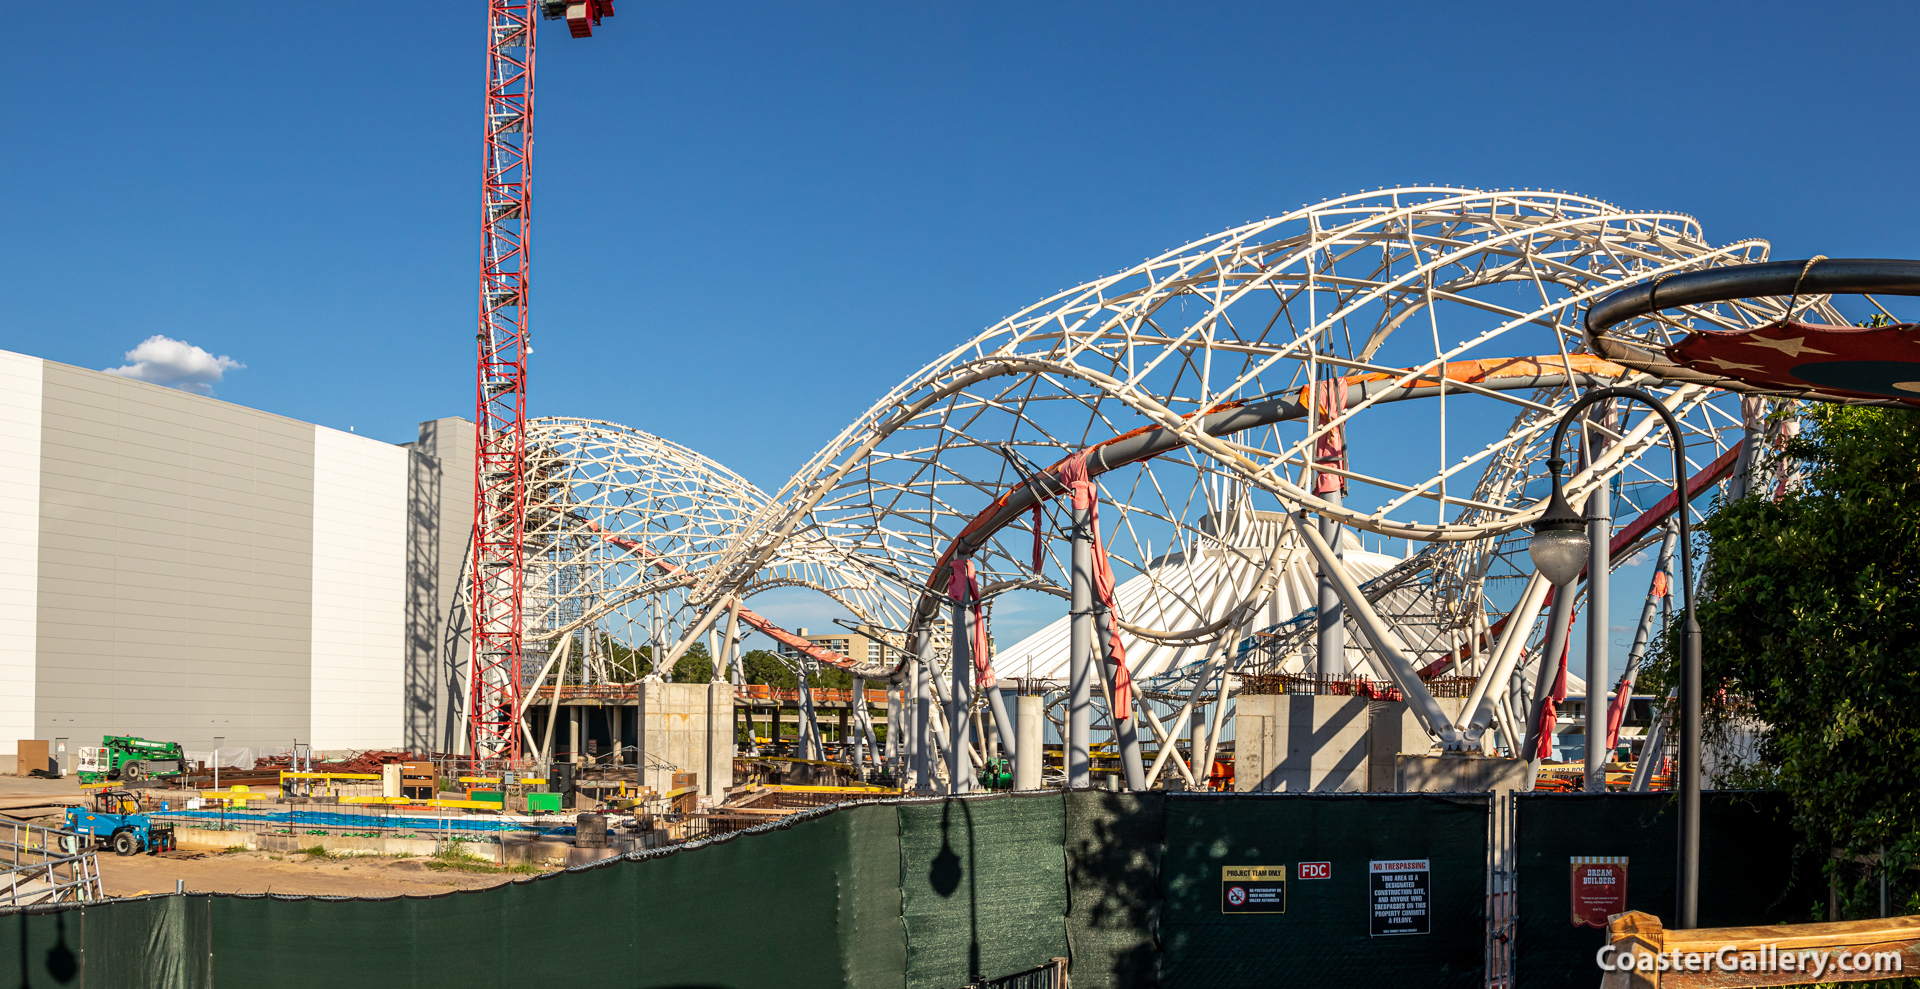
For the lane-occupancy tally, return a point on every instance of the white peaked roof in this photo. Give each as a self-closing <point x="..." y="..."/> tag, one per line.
<point x="1259" y="568"/>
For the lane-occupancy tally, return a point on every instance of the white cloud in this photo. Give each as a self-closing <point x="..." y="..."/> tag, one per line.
<point x="176" y="364"/>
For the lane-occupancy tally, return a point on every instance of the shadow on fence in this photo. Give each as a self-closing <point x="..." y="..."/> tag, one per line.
<point x="1132" y="889"/>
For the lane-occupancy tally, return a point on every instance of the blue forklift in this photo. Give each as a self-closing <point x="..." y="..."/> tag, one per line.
<point x="117" y="820"/>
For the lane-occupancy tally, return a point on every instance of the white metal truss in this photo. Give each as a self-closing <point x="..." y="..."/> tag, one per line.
<point x="1459" y="310"/>
<point x="620" y="523"/>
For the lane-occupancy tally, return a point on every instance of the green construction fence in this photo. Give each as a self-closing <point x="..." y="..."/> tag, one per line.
<point x="935" y="894"/>
<point x="1751" y="872"/>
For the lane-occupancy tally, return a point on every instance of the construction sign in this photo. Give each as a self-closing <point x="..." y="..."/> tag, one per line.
<point x="1398" y="892"/>
<point x="1599" y="889"/>
<point x="1253" y="889"/>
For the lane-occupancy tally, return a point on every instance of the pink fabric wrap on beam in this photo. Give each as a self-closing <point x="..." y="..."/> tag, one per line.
<point x="964" y="588"/>
<point x="1623" y="693"/>
<point x="1039" y="545"/>
<point x="1330" y="449"/>
<point x="1550" y="713"/>
<point x="1074" y="475"/>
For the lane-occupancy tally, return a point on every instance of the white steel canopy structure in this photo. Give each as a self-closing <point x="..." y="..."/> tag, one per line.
<point x="1450" y="316"/>
<point x="1231" y="568"/>
<point x="1388" y="361"/>
<point x="620" y="523"/>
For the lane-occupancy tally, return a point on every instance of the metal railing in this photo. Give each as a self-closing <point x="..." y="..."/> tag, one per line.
<point x="40" y="865"/>
<point x="1502" y="891"/>
<point x="749" y="693"/>
<point x="1052" y="975"/>
<point x="1294" y="683"/>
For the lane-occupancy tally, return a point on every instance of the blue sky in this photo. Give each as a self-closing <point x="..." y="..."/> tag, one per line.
<point x="752" y="219"/>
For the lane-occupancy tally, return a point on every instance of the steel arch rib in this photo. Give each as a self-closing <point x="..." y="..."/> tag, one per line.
<point x="1585" y="247"/>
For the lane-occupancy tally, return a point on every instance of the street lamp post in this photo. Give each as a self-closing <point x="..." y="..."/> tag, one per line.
<point x="1560" y="550"/>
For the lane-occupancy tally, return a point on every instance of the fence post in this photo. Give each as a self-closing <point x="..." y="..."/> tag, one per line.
<point x="1633" y="933"/>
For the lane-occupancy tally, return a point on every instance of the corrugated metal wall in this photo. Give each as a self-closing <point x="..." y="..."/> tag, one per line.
<point x="177" y="567"/>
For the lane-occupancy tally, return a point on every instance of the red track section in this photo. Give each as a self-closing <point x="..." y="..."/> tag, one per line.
<point x="996" y="515"/>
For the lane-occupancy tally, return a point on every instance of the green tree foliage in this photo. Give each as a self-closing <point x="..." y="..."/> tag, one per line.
<point x="761" y="666"/>
<point x="1808" y="617"/>
<point x="694" y="666"/>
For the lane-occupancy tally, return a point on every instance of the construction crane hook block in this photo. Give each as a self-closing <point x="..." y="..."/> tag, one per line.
<point x="581" y="18"/>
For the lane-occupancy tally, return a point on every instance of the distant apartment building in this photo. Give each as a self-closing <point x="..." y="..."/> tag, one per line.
<point x="862" y="649"/>
<point x="852" y="645"/>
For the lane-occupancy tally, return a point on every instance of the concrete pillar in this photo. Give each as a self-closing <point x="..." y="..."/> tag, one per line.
<point x="923" y="714"/>
<point x="857" y="748"/>
<point x="960" y="704"/>
<point x="1002" y="725"/>
<point x="892" y="748"/>
<point x="1599" y="577"/>
<point x="1030" y="749"/>
<point x="1197" y="743"/>
<point x="617" y="731"/>
<point x="719" y="772"/>
<point x="573" y="732"/>
<point x="1079" y="751"/>
<point x="1331" y="637"/>
<point x="808" y="719"/>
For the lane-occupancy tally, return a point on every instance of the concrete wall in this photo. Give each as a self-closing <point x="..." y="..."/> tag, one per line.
<point x="686" y="728"/>
<point x="359" y="591"/>
<point x="1324" y="744"/>
<point x="175" y="566"/>
<point x="1292" y="743"/>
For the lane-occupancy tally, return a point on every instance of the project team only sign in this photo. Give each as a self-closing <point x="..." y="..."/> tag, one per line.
<point x="1253" y="889"/>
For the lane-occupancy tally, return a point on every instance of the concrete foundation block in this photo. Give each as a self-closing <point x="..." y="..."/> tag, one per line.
<point x="1458" y="774"/>
<point x="686" y="728"/>
<point x="207" y="839"/>
<point x="1301" y="743"/>
<point x="1325" y="743"/>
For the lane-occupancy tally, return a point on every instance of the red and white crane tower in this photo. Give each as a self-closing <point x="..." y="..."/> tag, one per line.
<point x="500" y="399"/>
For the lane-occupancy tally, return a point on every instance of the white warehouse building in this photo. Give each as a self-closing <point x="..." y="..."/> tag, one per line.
<point x="181" y="568"/>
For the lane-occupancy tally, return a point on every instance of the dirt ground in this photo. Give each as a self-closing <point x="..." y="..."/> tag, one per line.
<point x="247" y="872"/>
<point x="272" y="872"/>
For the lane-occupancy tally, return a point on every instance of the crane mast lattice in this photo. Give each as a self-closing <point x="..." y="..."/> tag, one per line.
<point x="498" y="592"/>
